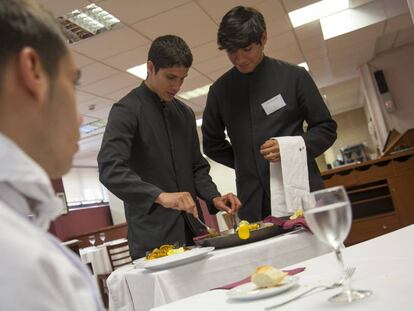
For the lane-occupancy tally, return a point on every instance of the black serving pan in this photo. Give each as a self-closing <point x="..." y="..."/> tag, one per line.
<point x="232" y="239"/>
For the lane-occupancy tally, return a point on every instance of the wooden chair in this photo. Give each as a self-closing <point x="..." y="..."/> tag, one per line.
<point x="118" y="256"/>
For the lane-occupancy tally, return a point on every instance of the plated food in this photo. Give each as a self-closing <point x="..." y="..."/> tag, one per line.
<point x="297" y="214"/>
<point x="177" y="259"/>
<point x="231" y="238"/>
<point x="266" y="281"/>
<point x="165" y="250"/>
<point x="268" y="276"/>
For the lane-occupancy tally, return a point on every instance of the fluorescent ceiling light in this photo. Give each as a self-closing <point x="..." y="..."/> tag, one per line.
<point x="92" y="18"/>
<point x="316" y="11"/>
<point x="195" y="93"/>
<point x="352" y="19"/>
<point x="304" y="65"/>
<point x="139" y="71"/>
<point x="92" y="126"/>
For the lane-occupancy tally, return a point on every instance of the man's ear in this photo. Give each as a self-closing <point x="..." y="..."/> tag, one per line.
<point x="150" y="67"/>
<point x="264" y="38"/>
<point x="33" y="76"/>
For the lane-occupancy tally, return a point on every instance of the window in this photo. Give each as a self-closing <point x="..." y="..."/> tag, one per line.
<point x="82" y="187"/>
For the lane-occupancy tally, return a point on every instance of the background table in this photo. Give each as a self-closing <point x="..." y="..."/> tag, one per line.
<point x="384" y="265"/>
<point x="98" y="257"/>
<point x="140" y="289"/>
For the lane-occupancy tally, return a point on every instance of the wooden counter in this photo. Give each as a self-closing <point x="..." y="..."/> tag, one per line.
<point x="381" y="193"/>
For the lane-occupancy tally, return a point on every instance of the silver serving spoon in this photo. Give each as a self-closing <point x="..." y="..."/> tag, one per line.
<point x="213" y="232"/>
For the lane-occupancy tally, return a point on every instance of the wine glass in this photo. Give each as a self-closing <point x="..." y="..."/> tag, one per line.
<point x="328" y="214"/>
<point x="102" y="237"/>
<point x="92" y="239"/>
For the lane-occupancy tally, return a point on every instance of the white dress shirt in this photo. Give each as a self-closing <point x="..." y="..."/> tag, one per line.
<point x="36" y="272"/>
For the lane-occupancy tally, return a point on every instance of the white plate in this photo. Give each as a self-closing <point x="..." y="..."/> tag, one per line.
<point x="249" y="290"/>
<point x="173" y="260"/>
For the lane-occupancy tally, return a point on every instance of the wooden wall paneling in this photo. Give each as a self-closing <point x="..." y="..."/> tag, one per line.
<point x="403" y="196"/>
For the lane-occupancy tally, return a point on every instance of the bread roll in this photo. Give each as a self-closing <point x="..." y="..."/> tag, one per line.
<point x="267" y="276"/>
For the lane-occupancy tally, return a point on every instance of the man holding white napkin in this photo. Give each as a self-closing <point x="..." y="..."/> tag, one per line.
<point x="262" y="98"/>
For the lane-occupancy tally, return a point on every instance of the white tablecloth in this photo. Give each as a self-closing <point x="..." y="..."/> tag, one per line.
<point x="384" y="265"/>
<point x="139" y="289"/>
<point x="98" y="257"/>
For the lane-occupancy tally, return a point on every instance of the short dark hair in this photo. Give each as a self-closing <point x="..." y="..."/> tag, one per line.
<point x="24" y="23"/>
<point x="169" y="51"/>
<point x="240" y="27"/>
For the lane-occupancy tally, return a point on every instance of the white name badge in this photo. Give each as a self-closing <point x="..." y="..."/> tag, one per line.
<point x="273" y="104"/>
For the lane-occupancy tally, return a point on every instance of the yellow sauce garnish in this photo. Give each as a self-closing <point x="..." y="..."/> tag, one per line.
<point x="243" y="232"/>
<point x="244" y="228"/>
<point x="175" y="251"/>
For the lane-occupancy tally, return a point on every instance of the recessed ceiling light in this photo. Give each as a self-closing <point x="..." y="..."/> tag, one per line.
<point x="92" y="126"/>
<point x="139" y="71"/>
<point x="304" y="65"/>
<point x="87" y="22"/>
<point x="195" y="93"/>
<point x="316" y="11"/>
<point x="352" y="19"/>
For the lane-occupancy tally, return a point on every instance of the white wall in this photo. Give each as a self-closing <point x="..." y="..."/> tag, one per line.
<point x="223" y="177"/>
<point x="398" y="68"/>
<point x="117" y="208"/>
<point x="373" y="104"/>
<point x="352" y="130"/>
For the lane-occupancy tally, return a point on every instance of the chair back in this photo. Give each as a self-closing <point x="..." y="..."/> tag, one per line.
<point x="118" y="254"/>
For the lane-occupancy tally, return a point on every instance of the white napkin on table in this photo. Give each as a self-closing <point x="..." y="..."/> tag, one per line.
<point x="289" y="178"/>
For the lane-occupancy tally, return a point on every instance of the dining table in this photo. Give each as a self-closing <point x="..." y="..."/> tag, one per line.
<point x="135" y="288"/>
<point x="98" y="257"/>
<point x="383" y="265"/>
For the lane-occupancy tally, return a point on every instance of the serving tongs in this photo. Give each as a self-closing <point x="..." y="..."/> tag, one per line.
<point x="214" y="233"/>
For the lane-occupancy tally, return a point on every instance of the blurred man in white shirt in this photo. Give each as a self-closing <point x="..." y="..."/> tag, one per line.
<point x="39" y="132"/>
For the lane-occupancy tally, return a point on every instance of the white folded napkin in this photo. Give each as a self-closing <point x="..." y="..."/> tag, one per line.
<point x="289" y="178"/>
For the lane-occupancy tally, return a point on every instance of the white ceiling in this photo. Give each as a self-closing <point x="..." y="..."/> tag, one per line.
<point x="333" y="63"/>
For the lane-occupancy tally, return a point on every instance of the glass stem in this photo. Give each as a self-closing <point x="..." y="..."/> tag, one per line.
<point x="346" y="285"/>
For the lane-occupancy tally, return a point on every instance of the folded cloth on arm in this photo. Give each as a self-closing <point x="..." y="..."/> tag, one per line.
<point x="289" y="177"/>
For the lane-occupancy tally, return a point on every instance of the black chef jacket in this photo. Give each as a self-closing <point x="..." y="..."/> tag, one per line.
<point x="150" y="147"/>
<point x="234" y="103"/>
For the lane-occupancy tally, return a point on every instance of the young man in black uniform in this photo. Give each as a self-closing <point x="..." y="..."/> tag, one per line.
<point x="260" y="98"/>
<point x="150" y="156"/>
